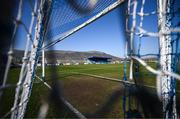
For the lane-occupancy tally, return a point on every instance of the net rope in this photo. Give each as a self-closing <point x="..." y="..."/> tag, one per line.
<point x="34" y="39"/>
<point x="165" y="74"/>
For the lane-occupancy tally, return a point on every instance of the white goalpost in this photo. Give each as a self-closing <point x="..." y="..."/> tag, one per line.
<point x="167" y="83"/>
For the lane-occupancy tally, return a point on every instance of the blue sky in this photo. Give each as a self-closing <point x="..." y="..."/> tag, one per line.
<point x="106" y="34"/>
<point x="103" y="35"/>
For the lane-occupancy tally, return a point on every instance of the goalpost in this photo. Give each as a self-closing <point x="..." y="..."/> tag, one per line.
<point x="167" y="83"/>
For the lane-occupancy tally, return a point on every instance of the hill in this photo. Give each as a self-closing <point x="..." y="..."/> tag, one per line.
<point x="61" y="56"/>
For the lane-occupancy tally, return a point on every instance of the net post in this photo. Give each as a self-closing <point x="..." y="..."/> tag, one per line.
<point x="168" y="89"/>
<point x="43" y="64"/>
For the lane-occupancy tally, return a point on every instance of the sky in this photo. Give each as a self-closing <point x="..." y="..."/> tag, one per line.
<point x="105" y="35"/>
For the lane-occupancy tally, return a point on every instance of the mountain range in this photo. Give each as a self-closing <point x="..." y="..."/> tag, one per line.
<point x="61" y="56"/>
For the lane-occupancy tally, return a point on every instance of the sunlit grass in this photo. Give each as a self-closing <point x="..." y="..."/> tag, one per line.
<point x="86" y="93"/>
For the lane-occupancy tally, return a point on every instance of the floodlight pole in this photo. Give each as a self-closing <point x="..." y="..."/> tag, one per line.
<point x="167" y="83"/>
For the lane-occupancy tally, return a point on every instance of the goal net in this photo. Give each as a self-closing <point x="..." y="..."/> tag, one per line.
<point x="38" y="25"/>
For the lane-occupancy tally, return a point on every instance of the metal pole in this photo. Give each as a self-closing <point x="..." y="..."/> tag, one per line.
<point x="168" y="91"/>
<point x="43" y="64"/>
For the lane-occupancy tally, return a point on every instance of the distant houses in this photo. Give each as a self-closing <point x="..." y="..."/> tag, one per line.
<point x="56" y="58"/>
<point x="85" y="60"/>
<point x="90" y="60"/>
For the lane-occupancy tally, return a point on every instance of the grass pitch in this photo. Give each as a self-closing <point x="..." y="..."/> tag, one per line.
<point x="88" y="94"/>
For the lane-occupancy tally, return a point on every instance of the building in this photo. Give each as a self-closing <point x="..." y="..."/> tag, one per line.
<point x="99" y="60"/>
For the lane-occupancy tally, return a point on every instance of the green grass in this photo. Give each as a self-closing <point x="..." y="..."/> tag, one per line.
<point x="87" y="94"/>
